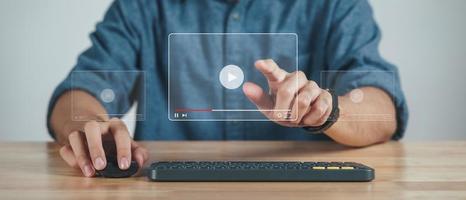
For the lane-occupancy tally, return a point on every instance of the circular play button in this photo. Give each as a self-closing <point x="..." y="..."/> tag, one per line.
<point x="231" y="77"/>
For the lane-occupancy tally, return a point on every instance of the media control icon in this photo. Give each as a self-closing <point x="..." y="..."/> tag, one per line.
<point x="107" y="95"/>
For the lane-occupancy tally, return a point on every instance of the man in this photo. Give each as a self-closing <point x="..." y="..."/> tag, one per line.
<point x="334" y="35"/>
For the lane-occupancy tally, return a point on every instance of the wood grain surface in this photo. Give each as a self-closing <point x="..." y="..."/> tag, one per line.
<point x="404" y="170"/>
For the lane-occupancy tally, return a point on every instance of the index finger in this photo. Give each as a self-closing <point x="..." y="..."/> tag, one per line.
<point x="94" y="143"/>
<point x="271" y="70"/>
<point x="122" y="141"/>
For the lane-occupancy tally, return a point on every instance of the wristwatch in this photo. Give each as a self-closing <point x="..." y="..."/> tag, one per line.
<point x="332" y="118"/>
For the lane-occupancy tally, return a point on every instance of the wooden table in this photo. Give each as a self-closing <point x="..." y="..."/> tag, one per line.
<point x="422" y="170"/>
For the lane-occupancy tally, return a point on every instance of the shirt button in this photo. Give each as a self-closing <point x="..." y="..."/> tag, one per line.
<point x="235" y="16"/>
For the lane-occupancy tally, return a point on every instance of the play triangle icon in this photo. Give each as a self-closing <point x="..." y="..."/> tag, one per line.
<point x="231" y="77"/>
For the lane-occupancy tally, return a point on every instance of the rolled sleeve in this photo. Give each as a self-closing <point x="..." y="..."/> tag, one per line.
<point x="110" y="63"/>
<point x="354" y="61"/>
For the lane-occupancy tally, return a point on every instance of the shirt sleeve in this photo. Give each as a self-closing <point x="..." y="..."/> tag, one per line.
<point x="353" y="59"/>
<point x="109" y="64"/>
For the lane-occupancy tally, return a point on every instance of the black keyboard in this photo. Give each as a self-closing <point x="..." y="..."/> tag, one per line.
<point x="259" y="171"/>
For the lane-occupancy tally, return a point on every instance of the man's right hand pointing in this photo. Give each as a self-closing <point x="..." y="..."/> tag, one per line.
<point x="290" y="94"/>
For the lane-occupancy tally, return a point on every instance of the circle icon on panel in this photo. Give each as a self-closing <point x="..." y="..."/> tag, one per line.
<point x="107" y="95"/>
<point x="231" y="77"/>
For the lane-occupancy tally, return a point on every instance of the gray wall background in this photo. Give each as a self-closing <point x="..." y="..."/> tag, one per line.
<point x="40" y="39"/>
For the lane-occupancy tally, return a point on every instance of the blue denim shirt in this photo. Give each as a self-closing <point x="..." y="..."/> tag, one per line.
<point x="334" y="36"/>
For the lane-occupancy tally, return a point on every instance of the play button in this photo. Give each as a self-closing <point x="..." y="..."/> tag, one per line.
<point x="231" y="77"/>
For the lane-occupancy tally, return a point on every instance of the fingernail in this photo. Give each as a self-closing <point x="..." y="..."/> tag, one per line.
<point x="99" y="163"/>
<point x="87" y="171"/>
<point x="124" y="163"/>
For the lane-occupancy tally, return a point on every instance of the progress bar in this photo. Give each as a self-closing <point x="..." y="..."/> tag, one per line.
<point x="249" y="110"/>
<point x="230" y="110"/>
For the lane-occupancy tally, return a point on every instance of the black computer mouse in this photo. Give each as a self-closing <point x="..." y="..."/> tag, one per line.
<point x="113" y="171"/>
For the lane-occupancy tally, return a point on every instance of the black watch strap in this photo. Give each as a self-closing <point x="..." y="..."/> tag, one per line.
<point x="332" y="118"/>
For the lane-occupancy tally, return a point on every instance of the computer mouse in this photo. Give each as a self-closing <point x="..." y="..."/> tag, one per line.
<point x="113" y="171"/>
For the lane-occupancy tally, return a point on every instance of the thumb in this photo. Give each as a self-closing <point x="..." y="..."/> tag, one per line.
<point x="257" y="96"/>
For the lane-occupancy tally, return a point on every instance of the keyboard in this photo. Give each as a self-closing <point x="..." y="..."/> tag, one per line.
<point x="259" y="171"/>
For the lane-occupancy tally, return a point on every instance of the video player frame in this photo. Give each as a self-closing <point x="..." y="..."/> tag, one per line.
<point x="180" y="112"/>
<point x="105" y="85"/>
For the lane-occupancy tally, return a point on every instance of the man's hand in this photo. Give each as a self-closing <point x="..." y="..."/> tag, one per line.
<point x="290" y="94"/>
<point x="86" y="149"/>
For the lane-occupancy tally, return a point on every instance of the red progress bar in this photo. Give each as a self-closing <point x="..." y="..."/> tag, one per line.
<point x="193" y="110"/>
